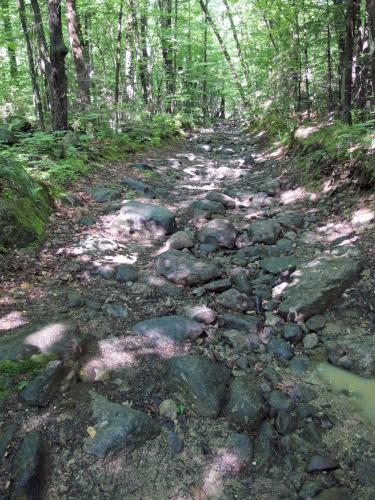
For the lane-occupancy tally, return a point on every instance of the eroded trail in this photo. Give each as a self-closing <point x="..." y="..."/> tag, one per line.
<point x="184" y="300"/>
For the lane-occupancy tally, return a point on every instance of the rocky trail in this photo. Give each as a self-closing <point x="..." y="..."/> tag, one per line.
<point x="179" y="307"/>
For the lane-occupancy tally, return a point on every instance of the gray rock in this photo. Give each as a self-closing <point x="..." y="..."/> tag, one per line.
<point x="105" y="271"/>
<point x="202" y="314"/>
<point x="183" y="268"/>
<point x="208" y="247"/>
<point x="260" y="200"/>
<point x="270" y="186"/>
<point x="245" y="406"/>
<point x="118" y="426"/>
<point x="141" y="166"/>
<point x="311" y="341"/>
<point x="280" y="402"/>
<point x="197" y="382"/>
<point x="115" y="311"/>
<point x="316" y="323"/>
<point x="280" y="348"/>
<point x="42" y="388"/>
<point x="241" y="280"/>
<point x="235" y="300"/>
<point x="248" y="160"/>
<point x="242" y="447"/>
<point x="236" y="339"/>
<point x="241" y="322"/>
<point x="209" y="206"/>
<point x="318" y="463"/>
<point x="136" y="216"/>
<point x="126" y="272"/>
<point x="286" y="423"/>
<point x="139" y="187"/>
<point x="264" y="231"/>
<point x="219" y="232"/>
<point x="218" y="285"/>
<point x="291" y="220"/>
<point x="28" y="473"/>
<point x="355" y="355"/>
<point x="276" y="265"/>
<point x="292" y="332"/>
<point x="104" y="194"/>
<point x="75" y="300"/>
<point x="181" y="240"/>
<point x="177" y="329"/>
<point x="317" y="285"/>
<point x="285" y="245"/>
<point x="175" y="443"/>
<point x="335" y="493"/>
<point x="222" y="198"/>
<point x="6" y="436"/>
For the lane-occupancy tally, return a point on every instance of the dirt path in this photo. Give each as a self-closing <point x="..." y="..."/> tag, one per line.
<point x="230" y="404"/>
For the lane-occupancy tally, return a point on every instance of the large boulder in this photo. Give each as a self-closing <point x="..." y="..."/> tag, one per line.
<point x="177" y="329"/>
<point x="219" y="232"/>
<point x="356" y="355"/>
<point x="43" y="387"/>
<point x="183" y="268"/>
<point x="245" y="407"/>
<point x="197" y="382"/>
<point x="136" y="216"/>
<point x="25" y="207"/>
<point x="317" y="285"/>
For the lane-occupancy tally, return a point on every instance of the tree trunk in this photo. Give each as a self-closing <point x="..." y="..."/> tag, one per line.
<point x="34" y="81"/>
<point x="329" y="64"/>
<point x="204" y="83"/>
<point x="59" y="86"/>
<point x="118" y="57"/>
<point x="371" y="23"/>
<point x="130" y="57"/>
<point x="4" y="6"/>
<point x="75" y="35"/>
<point x="165" y="7"/>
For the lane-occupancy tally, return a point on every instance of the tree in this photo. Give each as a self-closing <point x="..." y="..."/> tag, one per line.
<point x="371" y="23"/>
<point x="10" y="42"/>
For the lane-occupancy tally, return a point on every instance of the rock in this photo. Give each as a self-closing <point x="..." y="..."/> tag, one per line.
<point x="136" y="216"/>
<point x="335" y="493"/>
<point x="264" y="451"/>
<point x="218" y="285"/>
<point x="198" y="382"/>
<point x="241" y="322"/>
<point x="25" y="206"/>
<point x="355" y="355"/>
<point x="235" y="338"/>
<point x="141" y="166"/>
<point x="202" y="314"/>
<point x="115" y="311"/>
<point x="222" y="198"/>
<point x="264" y="231"/>
<point x="241" y="280"/>
<point x="248" y="160"/>
<point x="318" y="463"/>
<point x="183" y="268"/>
<point x="291" y="220"/>
<point x="118" y="426"/>
<point x="311" y="341"/>
<point x="7" y="137"/>
<point x="270" y="186"/>
<point x="292" y="332"/>
<point x="28" y="472"/>
<point x="285" y="245"/>
<point x="276" y="265"/>
<point x="18" y="123"/>
<point x="303" y="393"/>
<point x="212" y="207"/>
<point x="207" y="148"/>
<point x="104" y="194"/>
<point x="6" y="436"/>
<point x="280" y="402"/>
<point x="235" y="300"/>
<point x="71" y="200"/>
<point x="300" y="364"/>
<point x="219" y="232"/>
<point x="181" y="240"/>
<point x="126" y="272"/>
<point x="105" y="271"/>
<point x="306" y="410"/>
<point x="88" y="221"/>
<point x="286" y="423"/>
<point x="273" y="320"/>
<point x="168" y="408"/>
<point x="280" y="349"/>
<point x="317" y="285"/>
<point x="208" y="248"/>
<point x="139" y="187"/>
<point x="59" y="338"/>
<point x="242" y="447"/>
<point x="316" y="323"/>
<point x="177" y="329"/>
<point x="75" y="300"/>
<point x="42" y="388"/>
<point x="175" y="443"/>
<point x="245" y="406"/>
<point x="260" y="200"/>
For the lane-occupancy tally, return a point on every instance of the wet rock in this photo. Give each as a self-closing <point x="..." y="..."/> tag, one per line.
<point x="241" y="322"/>
<point x="135" y="216"/>
<point x="292" y="332"/>
<point x="218" y="285"/>
<point x="222" y="198"/>
<point x="242" y="447"/>
<point x="316" y="323"/>
<point x="198" y="382"/>
<point x="185" y="269"/>
<point x="219" y="232"/>
<point x="264" y="231"/>
<point x="104" y="194"/>
<point x="125" y="273"/>
<point x="118" y="426"/>
<point x="286" y="423"/>
<point x="311" y="341"/>
<point x="291" y="220"/>
<point x="280" y="349"/>
<point x="300" y="364"/>
<point x="245" y="406"/>
<point x="355" y="355"/>
<point x="139" y="187"/>
<point x="235" y="300"/>
<point x="181" y="240"/>
<point x="241" y="280"/>
<point x="28" y="473"/>
<point x="276" y="265"/>
<point x="6" y="436"/>
<point x="317" y="285"/>
<point x="115" y="311"/>
<point x="168" y="408"/>
<point x="175" y="443"/>
<point x="177" y="329"/>
<point x="42" y="388"/>
<point x="202" y="314"/>
<point x="318" y="463"/>
<point x="212" y="207"/>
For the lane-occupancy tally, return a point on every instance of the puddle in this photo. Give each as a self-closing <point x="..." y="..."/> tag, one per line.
<point x="361" y="391"/>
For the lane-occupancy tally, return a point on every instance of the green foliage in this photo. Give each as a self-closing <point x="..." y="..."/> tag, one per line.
<point x="181" y="409"/>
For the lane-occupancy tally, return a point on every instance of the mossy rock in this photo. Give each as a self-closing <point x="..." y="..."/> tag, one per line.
<point x="18" y="124"/>
<point x="25" y="206"/>
<point x="7" y="137"/>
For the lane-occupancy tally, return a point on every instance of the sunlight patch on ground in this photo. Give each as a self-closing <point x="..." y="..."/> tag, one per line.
<point x="306" y="131"/>
<point x="47" y="336"/>
<point x="12" y="320"/>
<point x="293" y="196"/>
<point x="363" y="216"/>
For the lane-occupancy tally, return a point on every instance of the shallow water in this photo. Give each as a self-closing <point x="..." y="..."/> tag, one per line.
<point x="360" y="390"/>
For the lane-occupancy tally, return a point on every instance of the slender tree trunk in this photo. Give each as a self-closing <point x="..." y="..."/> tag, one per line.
<point x="204" y="83"/>
<point x="371" y="23"/>
<point x="307" y="74"/>
<point x="4" y="6"/>
<point x="75" y="35"/>
<point x="130" y="57"/>
<point x="118" y="56"/>
<point x="346" y="88"/>
<point x="165" y="7"/>
<point x="59" y="86"/>
<point x="224" y="49"/>
<point x="34" y="80"/>
<point x="329" y="64"/>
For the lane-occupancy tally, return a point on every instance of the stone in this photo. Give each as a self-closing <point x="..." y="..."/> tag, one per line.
<point x="248" y="160"/>
<point x="175" y="443"/>
<point x="219" y="232"/>
<point x="222" y="198"/>
<point x="260" y="200"/>
<point x="89" y="220"/>
<point x="264" y="231"/>
<point x="115" y="311"/>
<point x="209" y="206"/>
<point x="139" y="187"/>
<point x="118" y="426"/>
<point x="241" y="322"/>
<point x="242" y="447"/>
<point x="28" y="472"/>
<point x="198" y="382"/>
<point x="292" y="332"/>
<point x="18" y="123"/>
<point x="126" y="272"/>
<point x="168" y="408"/>
<point x="318" y="463"/>
<point x="235" y="300"/>
<point x="136" y="216"/>
<point x="335" y="493"/>
<point x="75" y="300"/>
<point x="277" y="265"/>
<point x="317" y="285"/>
<point x="7" y="434"/>
<point x="141" y="166"/>
<point x="303" y="393"/>
<point x="208" y="247"/>
<point x="286" y="423"/>
<point x="185" y="269"/>
<point x="351" y="354"/>
<point x="270" y="186"/>
<point x="285" y="245"/>
<point x="105" y="271"/>
<point x="241" y="280"/>
<point x="316" y="323"/>
<point x="235" y="338"/>
<point x="218" y="285"/>
<point x="104" y="194"/>
<point x="291" y="220"/>
<point x="202" y="314"/>
<point x="280" y="349"/>
<point x="43" y="387"/>
<point x="181" y="240"/>
<point x="306" y="410"/>
<point x="310" y="341"/>
<point x="178" y="329"/>
<point x="280" y="402"/>
<point x="245" y="406"/>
